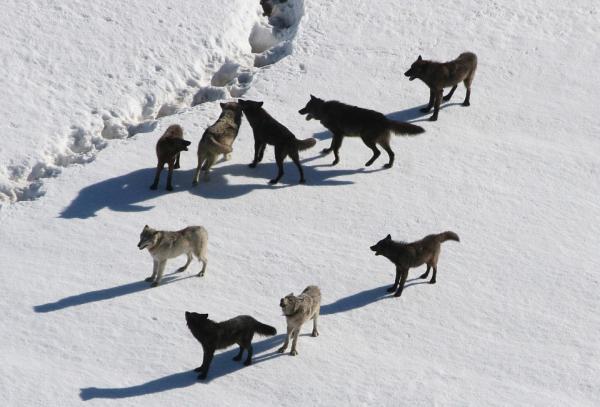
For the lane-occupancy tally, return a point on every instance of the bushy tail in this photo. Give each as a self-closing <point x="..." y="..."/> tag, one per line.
<point x="265" y="330"/>
<point x="223" y="149"/>
<point x="306" y="143"/>
<point x="449" y="236"/>
<point x="405" y="128"/>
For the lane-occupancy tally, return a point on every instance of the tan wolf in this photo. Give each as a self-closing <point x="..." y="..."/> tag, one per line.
<point x="218" y="139"/>
<point x="163" y="245"/>
<point x="297" y="311"/>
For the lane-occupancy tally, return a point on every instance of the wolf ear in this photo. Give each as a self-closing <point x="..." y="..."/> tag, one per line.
<point x="204" y="316"/>
<point x="388" y="237"/>
<point x="419" y="59"/>
<point x="146" y="227"/>
<point x="312" y="96"/>
<point x="259" y="104"/>
<point x="222" y="105"/>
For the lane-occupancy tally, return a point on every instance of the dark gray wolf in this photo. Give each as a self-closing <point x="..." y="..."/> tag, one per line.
<point x="345" y="120"/>
<point x="168" y="148"/>
<point x="218" y="335"/>
<point x="163" y="245"/>
<point x="297" y="311"/>
<point x="440" y="75"/>
<point x="409" y="255"/>
<point x="218" y="139"/>
<point x="267" y="130"/>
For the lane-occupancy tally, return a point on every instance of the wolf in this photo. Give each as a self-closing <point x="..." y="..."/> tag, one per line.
<point x="163" y="245"/>
<point x="168" y="148"/>
<point x="440" y="75"/>
<point x="346" y="120"/>
<point x="218" y="335"/>
<point x="409" y="255"/>
<point x="218" y="138"/>
<point x="267" y="130"/>
<point x="297" y="311"/>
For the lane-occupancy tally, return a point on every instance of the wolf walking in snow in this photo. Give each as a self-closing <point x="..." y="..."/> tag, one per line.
<point x="163" y="245"/>
<point x="218" y="335"/>
<point x="267" y="130"/>
<point x="218" y="139"/>
<point x="409" y="255"/>
<point x="297" y="311"/>
<point x="346" y="120"/>
<point x="440" y="75"/>
<point x="168" y="148"/>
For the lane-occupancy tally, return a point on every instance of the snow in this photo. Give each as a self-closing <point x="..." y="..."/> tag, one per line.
<point x="513" y="317"/>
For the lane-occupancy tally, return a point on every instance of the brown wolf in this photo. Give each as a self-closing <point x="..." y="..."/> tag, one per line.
<point x="168" y="148"/>
<point x="346" y="120"/>
<point x="218" y="138"/>
<point x="409" y="255"/>
<point x="267" y="130"/>
<point x="440" y="75"/>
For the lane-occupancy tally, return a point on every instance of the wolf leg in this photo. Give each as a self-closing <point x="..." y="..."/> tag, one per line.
<point x="154" y="272"/>
<point x="296" y="160"/>
<point x="427" y="108"/>
<point x="257" y="147"/>
<point x="170" y="176"/>
<point x="238" y="357"/>
<point x="248" y="361"/>
<point x="187" y="263"/>
<point x="210" y="161"/>
<point x="201" y="160"/>
<point x="467" y="101"/>
<point x="204" y="261"/>
<point x="396" y="281"/>
<point x="434" y="274"/>
<point x="159" y="272"/>
<point x="402" y="281"/>
<point x="177" y="161"/>
<point x="371" y="144"/>
<point x="436" y="107"/>
<point x="287" y="340"/>
<point x="449" y="95"/>
<point x="315" y="331"/>
<point x="425" y="274"/>
<point x="159" y="169"/>
<point x="206" y="361"/>
<point x="279" y="157"/>
<point x="336" y="143"/>
<point x="295" y="335"/>
<point x="385" y="143"/>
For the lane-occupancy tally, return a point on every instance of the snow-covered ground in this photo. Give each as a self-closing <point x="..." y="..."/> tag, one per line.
<point x="88" y="89"/>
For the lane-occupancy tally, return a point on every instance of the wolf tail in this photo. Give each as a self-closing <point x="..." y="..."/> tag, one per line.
<point x="448" y="236"/>
<point x="265" y="330"/>
<point x="306" y="143"/>
<point x="404" y="128"/>
<point x="223" y="149"/>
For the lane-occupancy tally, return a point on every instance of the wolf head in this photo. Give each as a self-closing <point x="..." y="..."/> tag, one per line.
<point x="174" y="134"/>
<point x="231" y="107"/>
<point x="148" y="238"/>
<point x="288" y="304"/>
<point x="312" y="108"/>
<point x="417" y="69"/>
<point x="195" y="319"/>
<point x="380" y="247"/>
<point x="249" y="105"/>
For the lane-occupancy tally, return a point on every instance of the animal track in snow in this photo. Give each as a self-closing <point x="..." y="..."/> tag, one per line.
<point x="269" y="42"/>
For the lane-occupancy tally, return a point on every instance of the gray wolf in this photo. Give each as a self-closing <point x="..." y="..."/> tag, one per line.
<point x="346" y="120"/>
<point x="297" y="311"/>
<point x="163" y="245"/>
<point x="168" y="148"/>
<point x="218" y="138"/>
<point x="218" y="335"/>
<point x="440" y="75"/>
<point x="409" y="255"/>
<point x="267" y="130"/>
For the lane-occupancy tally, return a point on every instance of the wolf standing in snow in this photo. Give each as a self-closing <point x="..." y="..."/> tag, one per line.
<point x="346" y="120"/>
<point x="163" y="245"/>
<point x="267" y="130"/>
<point x="218" y="139"/>
<point x="440" y="75"/>
<point x="218" y="335"/>
<point x="168" y="148"/>
<point x="409" y="255"/>
<point x="297" y="311"/>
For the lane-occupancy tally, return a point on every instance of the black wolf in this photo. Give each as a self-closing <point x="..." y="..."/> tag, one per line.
<point x="218" y="335"/>
<point x="267" y="130"/>
<point x="440" y="75"/>
<point x="345" y="120"/>
<point x="409" y="255"/>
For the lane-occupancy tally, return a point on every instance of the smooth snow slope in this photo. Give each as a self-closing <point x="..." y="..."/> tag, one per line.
<point x="513" y="318"/>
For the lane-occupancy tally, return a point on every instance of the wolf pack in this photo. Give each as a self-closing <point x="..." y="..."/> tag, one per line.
<point x="342" y="120"/>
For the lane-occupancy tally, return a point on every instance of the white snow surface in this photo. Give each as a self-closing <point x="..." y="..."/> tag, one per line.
<point x="89" y="87"/>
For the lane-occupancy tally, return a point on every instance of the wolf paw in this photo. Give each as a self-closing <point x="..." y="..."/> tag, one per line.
<point x="200" y="274"/>
<point x="149" y="279"/>
<point x="398" y="294"/>
<point x="198" y="369"/>
<point x="248" y="363"/>
<point x="202" y="376"/>
<point x="252" y="165"/>
<point x="466" y="104"/>
<point x="432" y="282"/>
<point x="326" y="151"/>
<point x="433" y="119"/>
<point x="335" y="162"/>
<point x="237" y="358"/>
<point x="194" y="183"/>
<point x="294" y="352"/>
<point x="169" y="188"/>
<point x="154" y="284"/>
<point x="302" y="181"/>
<point x="180" y="270"/>
<point x="314" y="334"/>
<point x="281" y="350"/>
<point x="153" y="187"/>
<point x="388" y="165"/>
<point x="391" y="289"/>
<point x="425" y="109"/>
<point x="273" y="182"/>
